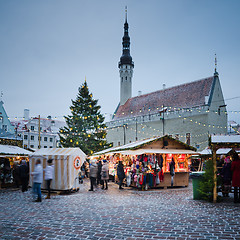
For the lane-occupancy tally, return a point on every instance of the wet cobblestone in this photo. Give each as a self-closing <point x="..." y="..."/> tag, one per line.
<point x="117" y="214"/>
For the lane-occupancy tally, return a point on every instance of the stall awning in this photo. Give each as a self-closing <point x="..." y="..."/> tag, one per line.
<point x="160" y="151"/>
<point x="59" y="151"/>
<point x="220" y="151"/>
<point x="13" y="150"/>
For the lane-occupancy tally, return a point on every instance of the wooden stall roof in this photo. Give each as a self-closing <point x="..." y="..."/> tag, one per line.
<point x="225" y="141"/>
<point x="169" y="144"/>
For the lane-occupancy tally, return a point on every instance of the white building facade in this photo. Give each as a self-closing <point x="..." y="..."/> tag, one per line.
<point x="28" y="129"/>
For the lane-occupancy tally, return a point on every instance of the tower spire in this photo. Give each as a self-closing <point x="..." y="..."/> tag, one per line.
<point x="125" y="13"/>
<point x="125" y="66"/>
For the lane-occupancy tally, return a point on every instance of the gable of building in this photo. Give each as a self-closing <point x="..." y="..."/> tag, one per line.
<point x="5" y="123"/>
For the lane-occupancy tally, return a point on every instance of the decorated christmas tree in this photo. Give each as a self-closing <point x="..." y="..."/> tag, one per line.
<point x="85" y="125"/>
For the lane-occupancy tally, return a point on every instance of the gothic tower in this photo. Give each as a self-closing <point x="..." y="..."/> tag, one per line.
<point x="125" y="66"/>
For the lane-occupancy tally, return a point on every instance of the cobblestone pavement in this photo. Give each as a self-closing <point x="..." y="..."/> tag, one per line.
<point x="117" y="214"/>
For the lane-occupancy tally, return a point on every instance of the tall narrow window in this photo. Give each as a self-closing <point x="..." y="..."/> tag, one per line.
<point x="126" y="78"/>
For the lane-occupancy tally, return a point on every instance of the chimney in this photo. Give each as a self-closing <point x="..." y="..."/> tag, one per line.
<point x="139" y="93"/>
<point x="164" y="86"/>
<point x="26" y="114"/>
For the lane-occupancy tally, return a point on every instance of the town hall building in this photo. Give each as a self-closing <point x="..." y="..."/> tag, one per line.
<point x="189" y="112"/>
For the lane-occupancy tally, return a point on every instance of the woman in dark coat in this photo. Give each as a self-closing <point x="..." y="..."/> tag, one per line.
<point x="226" y="174"/>
<point x="172" y="170"/>
<point x="236" y="177"/>
<point x="99" y="172"/>
<point x="120" y="174"/>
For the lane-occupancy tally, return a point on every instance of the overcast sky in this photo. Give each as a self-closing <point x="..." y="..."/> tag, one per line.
<point x="48" y="47"/>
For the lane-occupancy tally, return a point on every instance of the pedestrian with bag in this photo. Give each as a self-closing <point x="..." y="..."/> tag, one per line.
<point x="93" y="174"/>
<point x="105" y="174"/>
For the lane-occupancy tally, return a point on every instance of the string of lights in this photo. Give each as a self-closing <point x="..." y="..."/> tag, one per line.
<point x="169" y="110"/>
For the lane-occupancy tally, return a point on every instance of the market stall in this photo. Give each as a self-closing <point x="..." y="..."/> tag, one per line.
<point x="147" y="162"/>
<point x="67" y="163"/>
<point x="10" y="157"/>
<point x="217" y="142"/>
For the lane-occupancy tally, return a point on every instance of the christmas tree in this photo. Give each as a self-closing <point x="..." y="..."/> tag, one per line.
<point x="85" y="126"/>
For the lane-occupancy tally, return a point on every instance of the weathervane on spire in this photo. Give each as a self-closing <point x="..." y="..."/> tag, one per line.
<point x="1" y="95"/>
<point x="215" y="63"/>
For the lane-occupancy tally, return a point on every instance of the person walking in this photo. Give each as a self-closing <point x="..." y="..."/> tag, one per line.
<point x="24" y="175"/>
<point x="37" y="180"/>
<point x="172" y="170"/>
<point x="226" y="175"/>
<point x="49" y="172"/>
<point x="105" y="174"/>
<point x="120" y="174"/>
<point x="236" y="177"/>
<point x="93" y="174"/>
<point x="99" y="172"/>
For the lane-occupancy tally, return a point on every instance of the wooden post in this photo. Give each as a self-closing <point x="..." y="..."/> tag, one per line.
<point x="39" y="135"/>
<point x="214" y="150"/>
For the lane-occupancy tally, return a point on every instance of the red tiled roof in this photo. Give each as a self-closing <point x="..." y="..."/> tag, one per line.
<point x="183" y="96"/>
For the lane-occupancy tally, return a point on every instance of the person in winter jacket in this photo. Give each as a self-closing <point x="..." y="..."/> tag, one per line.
<point x="24" y="175"/>
<point x="105" y="174"/>
<point x="236" y="177"/>
<point x="93" y="174"/>
<point x="37" y="180"/>
<point x="226" y="174"/>
<point x="49" y="172"/>
<point x="120" y="174"/>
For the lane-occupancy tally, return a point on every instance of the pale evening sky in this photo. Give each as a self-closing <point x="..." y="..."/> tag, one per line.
<point x="48" y="47"/>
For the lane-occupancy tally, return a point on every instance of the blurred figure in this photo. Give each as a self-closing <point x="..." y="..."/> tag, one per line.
<point x="226" y="174"/>
<point x="24" y="175"/>
<point x="16" y="176"/>
<point x="172" y="170"/>
<point x="49" y="172"/>
<point x="93" y="174"/>
<point x="86" y="169"/>
<point x="236" y="177"/>
<point x="83" y="170"/>
<point x="99" y="172"/>
<point x="120" y="174"/>
<point x="37" y="180"/>
<point x="105" y="174"/>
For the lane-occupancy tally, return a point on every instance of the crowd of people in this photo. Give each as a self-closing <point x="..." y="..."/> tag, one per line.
<point x="230" y="174"/>
<point x="97" y="170"/>
<point x="99" y="173"/>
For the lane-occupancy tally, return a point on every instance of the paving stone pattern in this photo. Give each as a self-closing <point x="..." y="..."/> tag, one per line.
<point x="117" y="214"/>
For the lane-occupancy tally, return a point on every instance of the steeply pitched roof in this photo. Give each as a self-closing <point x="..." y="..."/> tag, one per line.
<point x="183" y="96"/>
